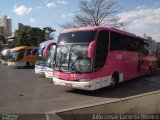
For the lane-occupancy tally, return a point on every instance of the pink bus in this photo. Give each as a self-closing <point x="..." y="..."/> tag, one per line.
<point x="90" y="58"/>
<point x="43" y="52"/>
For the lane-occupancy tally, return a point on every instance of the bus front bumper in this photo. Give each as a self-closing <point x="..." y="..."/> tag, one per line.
<point x="39" y="69"/>
<point x="90" y="85"/>
<point x="3" y="62"/>
<point x="16" y="64"/>
<point x="49" y="73"/>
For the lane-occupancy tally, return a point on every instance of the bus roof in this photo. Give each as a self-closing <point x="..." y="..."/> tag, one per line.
<point x="47" y="42"/>
<point x="97" y="28"/>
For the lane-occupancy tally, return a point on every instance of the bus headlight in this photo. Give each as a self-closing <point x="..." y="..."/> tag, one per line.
<point x="85" y="80"/>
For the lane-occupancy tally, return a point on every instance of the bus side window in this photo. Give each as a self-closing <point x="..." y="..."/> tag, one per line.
<point x="123" y="43"/>
<point x="28" y="52"/>
<point x="101" y="49"/>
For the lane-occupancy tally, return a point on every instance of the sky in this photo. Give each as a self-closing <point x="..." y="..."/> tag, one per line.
<point x="143" y="14"/>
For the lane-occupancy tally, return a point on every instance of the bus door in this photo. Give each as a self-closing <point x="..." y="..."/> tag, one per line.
<point x="34" y="53"/>
<point x="31" y="55"/>
<point x="130" y="64"/>
<point x="101" y="54"/>
<point x="20" y="55"/>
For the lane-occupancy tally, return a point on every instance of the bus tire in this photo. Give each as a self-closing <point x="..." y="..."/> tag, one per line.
<point x="27" y="64"/>
<point x="114" y="80"/>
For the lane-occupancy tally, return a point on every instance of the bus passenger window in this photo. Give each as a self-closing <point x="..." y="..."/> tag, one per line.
<point x="28" y="52"/>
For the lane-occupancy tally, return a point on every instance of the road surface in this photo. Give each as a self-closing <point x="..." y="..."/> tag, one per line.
<point x="22" y="91"/>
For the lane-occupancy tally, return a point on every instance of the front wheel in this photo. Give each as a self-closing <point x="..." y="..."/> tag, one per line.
<point x="114" y="81"/>
<point x="28" y="64"/>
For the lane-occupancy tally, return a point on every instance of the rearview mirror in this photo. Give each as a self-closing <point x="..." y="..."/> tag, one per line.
<point x="91" y="49"/>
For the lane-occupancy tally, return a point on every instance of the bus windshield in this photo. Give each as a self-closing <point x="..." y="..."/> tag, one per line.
<point x="17" y="55"/>
<point x="40" y="59"/>
<point x="50" y="58"/>
<point x="77" y="37"/>
<point x="73" y="58"/>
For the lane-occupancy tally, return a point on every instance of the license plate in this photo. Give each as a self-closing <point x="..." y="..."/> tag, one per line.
<point x="69" y="85"/>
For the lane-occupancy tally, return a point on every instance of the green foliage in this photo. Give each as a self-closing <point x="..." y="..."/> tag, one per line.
<point x="48" y="31"/>
<point x="30" y="36"/>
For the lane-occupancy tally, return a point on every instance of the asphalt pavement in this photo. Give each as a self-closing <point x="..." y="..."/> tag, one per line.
<point x="24" y="92"/>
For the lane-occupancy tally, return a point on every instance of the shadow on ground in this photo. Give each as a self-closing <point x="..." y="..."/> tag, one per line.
<point x="129" y="88"/>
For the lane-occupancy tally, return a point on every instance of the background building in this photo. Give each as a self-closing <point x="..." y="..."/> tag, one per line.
<point x="5" y="26"/>
<point x="2" y="30"/>
<point x="152" y="43"/>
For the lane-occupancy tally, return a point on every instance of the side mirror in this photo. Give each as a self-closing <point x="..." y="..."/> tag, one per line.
<point x="91" y="49"/>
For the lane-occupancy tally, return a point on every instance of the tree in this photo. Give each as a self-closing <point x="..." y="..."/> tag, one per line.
<point x="30" y="36"/>
<point x="27" y="36"/>
<point x="48" y="31"/>
<point x="96" y="13"/>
